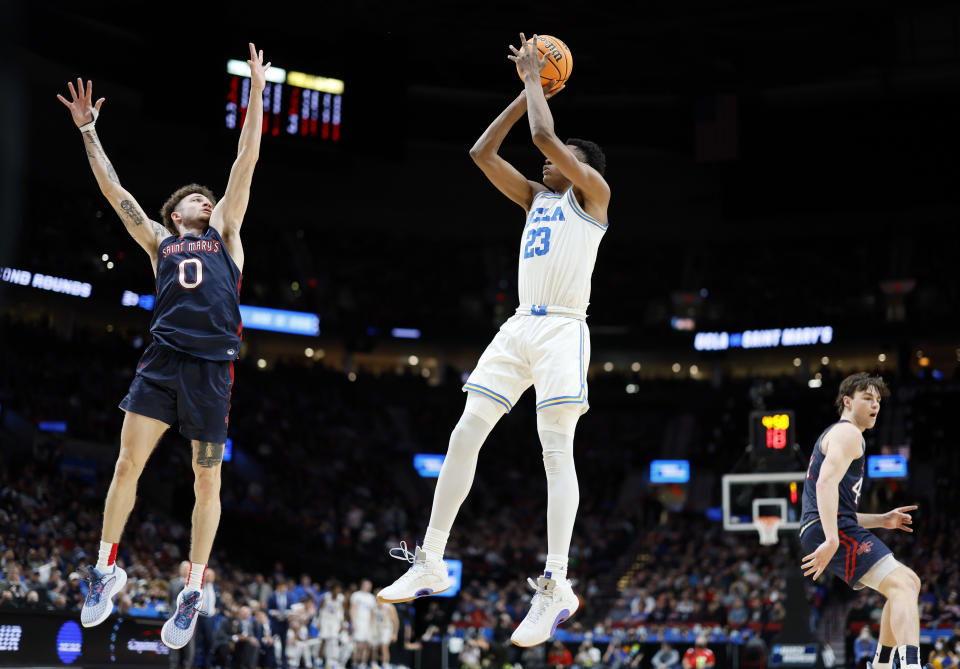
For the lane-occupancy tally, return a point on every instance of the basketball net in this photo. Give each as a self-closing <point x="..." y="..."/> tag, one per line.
<point x="767" y="528"/>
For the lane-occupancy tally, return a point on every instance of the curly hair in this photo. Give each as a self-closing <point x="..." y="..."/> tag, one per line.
<point x="592" y="152"/>
<point x="171" y="204"/>
<point x="859" y="381"/>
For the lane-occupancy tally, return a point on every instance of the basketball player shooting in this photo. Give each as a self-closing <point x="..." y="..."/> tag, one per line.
<point x="546" y="344"/>
<point x="830" y="522"/>
<point x="186" y="374"/>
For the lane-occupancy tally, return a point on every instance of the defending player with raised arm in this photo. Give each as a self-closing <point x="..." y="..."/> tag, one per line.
<point x="830" y="521"/>
<point x="546" y="344"/>
<point x="186" y="374"/>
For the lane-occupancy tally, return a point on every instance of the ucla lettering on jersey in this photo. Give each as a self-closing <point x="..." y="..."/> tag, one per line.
<point x="850" y="485"/>
<point x="197" y="309"/>
<point x="558" y="251"/>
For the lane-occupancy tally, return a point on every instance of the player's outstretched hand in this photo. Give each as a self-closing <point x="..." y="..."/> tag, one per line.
<point x="899" y="519"/>
<point x="257" y="68"/>
<point x="527" y="57"/>
<point x="549" y="91"/>
<point x="817" y="561"/>
<point x="80" y="104"/>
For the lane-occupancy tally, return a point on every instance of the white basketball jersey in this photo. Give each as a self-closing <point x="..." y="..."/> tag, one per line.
<point x="365" y="602"/>
<point x="557" y="252"/>
<point x="381" y="618"/>
<point x="331" y="608"/>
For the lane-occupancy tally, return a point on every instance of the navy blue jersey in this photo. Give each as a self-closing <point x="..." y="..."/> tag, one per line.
<point x="849" y="485"/>
<point x="197" y="310"/>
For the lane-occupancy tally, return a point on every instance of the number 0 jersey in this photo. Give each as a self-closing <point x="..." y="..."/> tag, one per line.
<point x="849" y="485"/>
<point x="197" y="309"/>
<point x="557" y="252"/>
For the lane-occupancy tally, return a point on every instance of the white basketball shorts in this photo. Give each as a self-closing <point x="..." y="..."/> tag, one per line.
<point x="549" y="352"/>
<point x="361" y="631"/>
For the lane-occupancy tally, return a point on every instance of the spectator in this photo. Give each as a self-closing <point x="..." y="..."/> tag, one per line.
<point x="699" y="657"/>
<point x="587" y="655"/>
<point x="559" y="656"/>
<point x="666" y="658"/>
<point x="864" y="647"/>
<point x="246" y="644"/>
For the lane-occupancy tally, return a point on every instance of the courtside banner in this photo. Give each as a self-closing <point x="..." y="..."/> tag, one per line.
<point x="30" y="638"/>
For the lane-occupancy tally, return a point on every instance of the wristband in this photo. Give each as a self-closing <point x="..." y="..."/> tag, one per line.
<point x="87" y="127"/>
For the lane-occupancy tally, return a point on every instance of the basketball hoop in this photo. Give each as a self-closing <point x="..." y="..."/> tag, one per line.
<point x="767" y="528"/>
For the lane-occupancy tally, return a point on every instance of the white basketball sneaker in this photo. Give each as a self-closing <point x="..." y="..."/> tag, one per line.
<point x="178" y="630"/>
<point x="102" y="587"/>
<point x="428" y="576"/>
<point x="553" y="603"/>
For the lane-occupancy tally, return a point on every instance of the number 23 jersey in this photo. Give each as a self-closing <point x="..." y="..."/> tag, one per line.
<point x="197" y="309"/>
<point x="557" y="252"/>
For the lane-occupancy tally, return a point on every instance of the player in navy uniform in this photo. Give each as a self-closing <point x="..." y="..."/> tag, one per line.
<point x="835" y="537"/>
<point x="186" y="374"/>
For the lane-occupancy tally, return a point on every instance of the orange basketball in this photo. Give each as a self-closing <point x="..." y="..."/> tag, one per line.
<point x="559" y="60"/>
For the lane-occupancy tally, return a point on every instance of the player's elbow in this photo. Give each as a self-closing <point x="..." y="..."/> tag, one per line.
<point x="479" y="152"/>
<point x="542" y="136"/>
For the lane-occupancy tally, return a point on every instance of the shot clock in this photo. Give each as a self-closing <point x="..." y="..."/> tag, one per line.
<point x="294" y="103"/>
<point x="772" y="437"/>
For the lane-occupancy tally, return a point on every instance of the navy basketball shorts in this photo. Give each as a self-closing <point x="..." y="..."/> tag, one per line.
<point x="172" y="386"/>
<point x="859" y="551"/>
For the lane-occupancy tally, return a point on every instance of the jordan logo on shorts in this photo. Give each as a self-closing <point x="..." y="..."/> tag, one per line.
<point x="864" y="547"/>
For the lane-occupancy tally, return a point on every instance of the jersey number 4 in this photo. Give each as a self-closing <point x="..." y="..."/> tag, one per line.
<point x="538" y="242"/>
<point x="856" y="490"/>
<point x="183" y="273"/>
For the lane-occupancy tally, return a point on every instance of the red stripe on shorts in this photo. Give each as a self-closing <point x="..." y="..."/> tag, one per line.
<point x="853" y="555"/>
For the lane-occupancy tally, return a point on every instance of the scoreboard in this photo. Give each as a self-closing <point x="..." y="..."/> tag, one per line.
<point x="294" y="103"/>
<point x="772" y="430"/>
<point x="773" y="435"/>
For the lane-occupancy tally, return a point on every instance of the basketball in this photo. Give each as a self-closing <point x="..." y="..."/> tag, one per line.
<point x="559" y="61"/>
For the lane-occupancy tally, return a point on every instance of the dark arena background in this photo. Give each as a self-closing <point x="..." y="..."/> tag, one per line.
<point x="784" y="212"/>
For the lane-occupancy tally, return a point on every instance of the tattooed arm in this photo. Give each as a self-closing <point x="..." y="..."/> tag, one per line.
<point x="147" y="233"/>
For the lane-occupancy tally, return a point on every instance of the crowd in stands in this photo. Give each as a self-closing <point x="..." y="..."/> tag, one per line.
<point x="320" y="471"/>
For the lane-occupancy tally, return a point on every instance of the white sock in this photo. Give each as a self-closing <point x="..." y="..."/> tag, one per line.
<point x="909" y="657"/>
<point x="195" y="579"/>
<point x="459" y="466"/>
<point x="556" y="567"/>
<point x="435" y="542"/>
<point x="106" y="556"/>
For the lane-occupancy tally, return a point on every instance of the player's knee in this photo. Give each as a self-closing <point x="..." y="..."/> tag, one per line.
<point x="914" y="582"/>
<point x="561" y="418"/>
<point x="127" y="468"/>
<point x="206" y="483"/>
<point x="904" y="584"/>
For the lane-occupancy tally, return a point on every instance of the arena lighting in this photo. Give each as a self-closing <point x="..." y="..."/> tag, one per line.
<point x="240" y="68"/>
<point x="405" y="333"/>
<point x="669" y="471"/>
<point x="886" y="466"/>
<point x="313" y="82"/>
<point x="280" y="320"/>
<point x="428" y="464"/>
<point x="55" y="284"/>
<point x="52" y="426"/>
<point x="772" y="338"/>
<point x="131" y="299"/>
